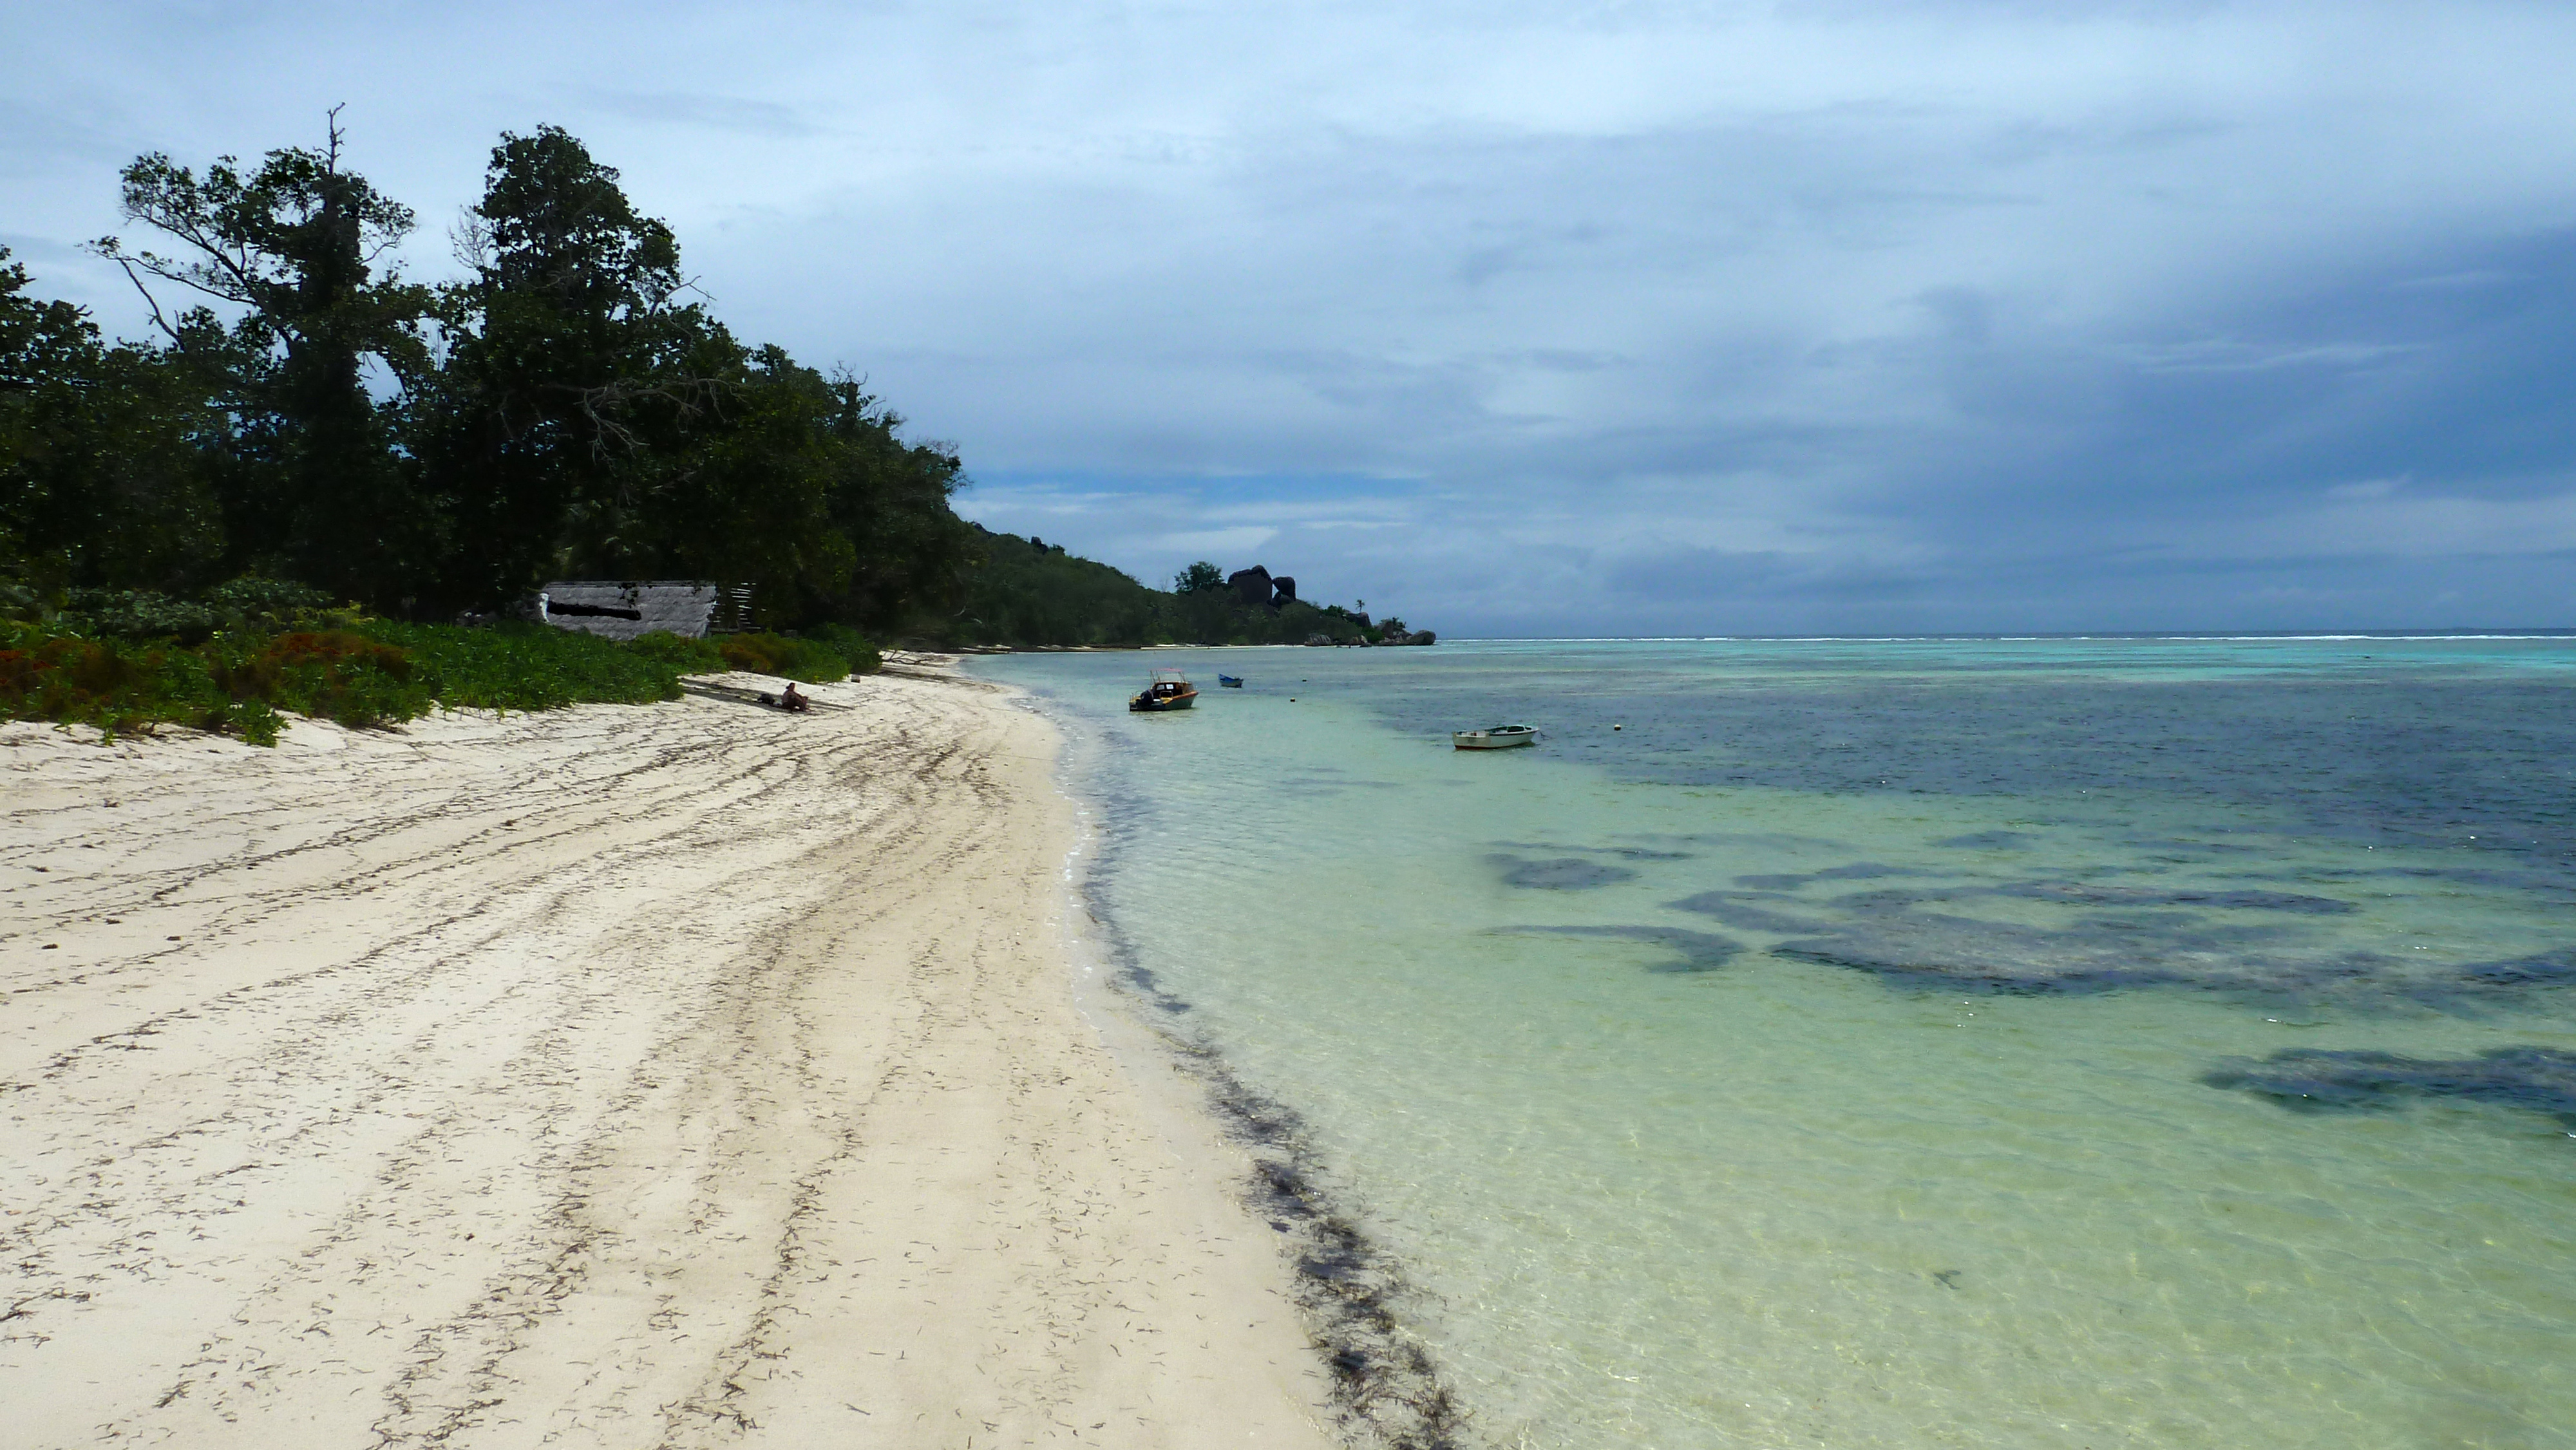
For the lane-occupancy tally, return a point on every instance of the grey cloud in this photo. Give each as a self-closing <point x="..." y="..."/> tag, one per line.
<point x="1675" y="576"/>
<point x="726" y="113"/>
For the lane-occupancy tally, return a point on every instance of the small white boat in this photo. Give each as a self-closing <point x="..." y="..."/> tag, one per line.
<point x="1494" y="737"/>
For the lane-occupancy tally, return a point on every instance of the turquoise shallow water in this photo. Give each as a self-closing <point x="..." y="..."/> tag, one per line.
<point x="1882" y="1042"/>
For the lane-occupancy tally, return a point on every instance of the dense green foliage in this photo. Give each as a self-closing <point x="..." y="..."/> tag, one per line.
<point x="308" y="463"/>
<point x="1027" y="593"/>
<point x="249" y="605"/>
<point x="109" y="456"/>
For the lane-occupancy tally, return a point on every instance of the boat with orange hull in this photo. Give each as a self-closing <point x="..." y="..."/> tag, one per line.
<point x="1171" y="690"/>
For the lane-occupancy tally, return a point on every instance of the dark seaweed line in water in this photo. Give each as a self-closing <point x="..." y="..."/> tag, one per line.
<point x="2532" y="1079"/>
<point x="1693" y="951"/>
<point x="1385" y="1385"/>
<point x="1387" y="1390"/>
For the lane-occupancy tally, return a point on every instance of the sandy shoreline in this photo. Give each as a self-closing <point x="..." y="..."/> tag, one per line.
<point x="674" y="1075"/>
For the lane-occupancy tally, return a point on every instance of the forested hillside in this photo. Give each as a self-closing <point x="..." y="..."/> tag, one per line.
<point x="1025" y="592"/>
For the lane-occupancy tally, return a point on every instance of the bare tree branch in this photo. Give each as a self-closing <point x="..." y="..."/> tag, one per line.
<point x="163" y="323"/>
<point x="469" y="240"/>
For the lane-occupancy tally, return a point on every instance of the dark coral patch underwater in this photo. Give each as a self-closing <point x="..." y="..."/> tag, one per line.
<point x="2314" y="1080"/>
<point x="1624" y="853"/>
<point x="1693" y="951"/>
<point x="2084" y="894"/>
<point x="1563" y="873"/>
<point x="1989" y="841"/>
<point x="1856" y="871"/>
<point x="2247" y="942"/>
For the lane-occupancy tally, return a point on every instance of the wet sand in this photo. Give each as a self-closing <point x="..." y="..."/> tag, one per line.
<point x="638" y="1076"/>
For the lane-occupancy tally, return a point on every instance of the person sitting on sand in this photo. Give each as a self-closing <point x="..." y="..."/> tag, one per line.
<point x="789" y="699"/>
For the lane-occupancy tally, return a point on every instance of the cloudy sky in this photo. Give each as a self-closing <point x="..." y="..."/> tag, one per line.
<point x="1625" y="318"/>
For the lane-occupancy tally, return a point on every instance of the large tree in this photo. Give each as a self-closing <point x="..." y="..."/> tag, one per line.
<point x="571" y="366"/>
<point x="594" y="423"/>
<point x="315" y="326"/>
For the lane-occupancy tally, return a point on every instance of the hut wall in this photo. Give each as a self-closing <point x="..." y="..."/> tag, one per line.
<point x="624" y="609"/>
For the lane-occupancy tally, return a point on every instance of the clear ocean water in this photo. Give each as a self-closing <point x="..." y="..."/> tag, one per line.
<point x="2029" y="1043"/>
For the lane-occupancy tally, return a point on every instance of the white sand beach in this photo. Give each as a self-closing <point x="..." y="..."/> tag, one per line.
<point x="675" y="1075"/>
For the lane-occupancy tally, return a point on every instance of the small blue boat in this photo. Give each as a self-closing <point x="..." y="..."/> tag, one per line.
<point x="1231" y="682"/>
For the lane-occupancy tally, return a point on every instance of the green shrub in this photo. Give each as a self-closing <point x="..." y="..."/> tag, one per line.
<point x="253" y="595"/>
<point x="19" y="600"/>
<point x="518" y="666"/>
<point x="379" y="673"/>
<point x="120" y="688"/>
<point x="336" y="675"/>
<point x="788" y="658"/>
<point x="138" y="614"/>
<point x="248" y="603"/>
<point x="853" y="646"/>
<point x="688" y="656"/>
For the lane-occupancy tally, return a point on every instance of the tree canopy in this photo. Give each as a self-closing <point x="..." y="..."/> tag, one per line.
<point x="305" y="411"/>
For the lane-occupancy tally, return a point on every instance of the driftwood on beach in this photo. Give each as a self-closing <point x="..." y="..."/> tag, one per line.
<point x="745" y="695"/>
